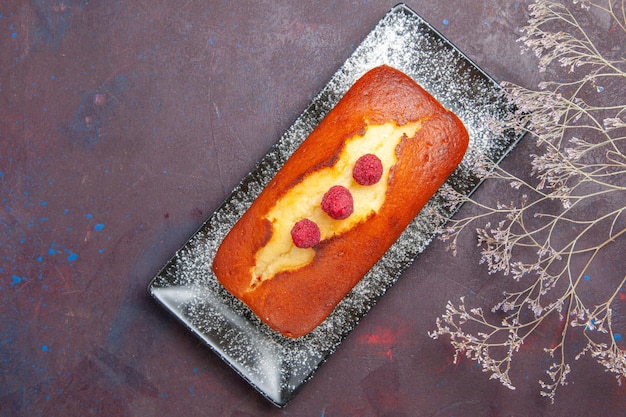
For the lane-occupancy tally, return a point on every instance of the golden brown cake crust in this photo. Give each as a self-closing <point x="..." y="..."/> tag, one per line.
<point x="295" y="302"/>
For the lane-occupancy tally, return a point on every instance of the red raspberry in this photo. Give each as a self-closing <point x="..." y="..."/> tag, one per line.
<point x="305" y="233"/>
<point x="368" y="169"/>
<point x="338" y="203"/>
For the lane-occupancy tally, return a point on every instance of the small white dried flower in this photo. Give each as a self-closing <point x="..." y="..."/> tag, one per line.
<point x="610" y="123"/>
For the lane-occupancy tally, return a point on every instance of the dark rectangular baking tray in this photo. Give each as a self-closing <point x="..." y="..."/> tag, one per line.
<point x="277" y="366"/>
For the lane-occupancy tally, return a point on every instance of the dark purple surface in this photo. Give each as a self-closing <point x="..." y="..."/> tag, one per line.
<point x="123" y="125"/>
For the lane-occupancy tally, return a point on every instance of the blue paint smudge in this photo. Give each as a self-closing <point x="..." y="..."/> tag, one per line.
<point x="98" y="227"/>
<point x="617" y="337"/>
<point x="89" y="215"/>
<point x="96" y="108"/>
<point x="44" y="348"/>
<point x="586" y="277"/>
<point x="53" y="20"/>
<point x="72" y="257"/>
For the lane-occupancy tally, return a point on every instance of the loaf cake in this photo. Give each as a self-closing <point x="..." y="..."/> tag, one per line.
<point x="340" y="201"/>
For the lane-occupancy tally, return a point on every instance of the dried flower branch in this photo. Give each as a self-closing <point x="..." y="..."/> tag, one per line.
<point x="570" y="211"/>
